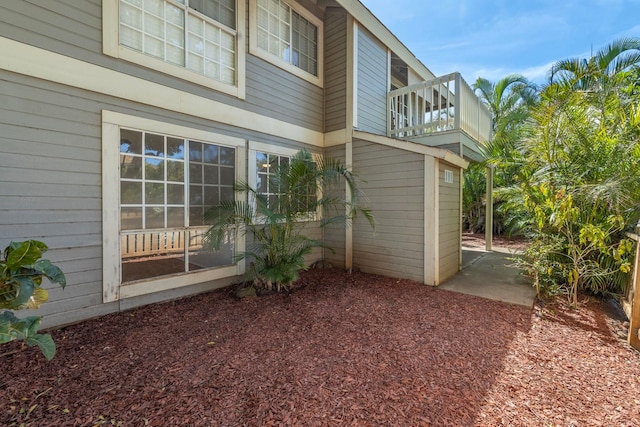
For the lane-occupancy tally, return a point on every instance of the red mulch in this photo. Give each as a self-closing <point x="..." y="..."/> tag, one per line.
<point x="339" y="349"/>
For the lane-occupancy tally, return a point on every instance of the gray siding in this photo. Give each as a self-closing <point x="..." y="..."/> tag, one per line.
<point x="50" y="184"/>
<point x="74" y="28"/>
<point x="372" y="84"/>
<point x="335" y="81"/>
<point x="334" y="234"/>
<point x="449" y="221"/>
<point x="395" y="189"/>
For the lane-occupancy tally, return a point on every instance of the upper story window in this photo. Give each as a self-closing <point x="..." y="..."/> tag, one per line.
<point x="193" y="39"/>
<point x="289" y="36"/>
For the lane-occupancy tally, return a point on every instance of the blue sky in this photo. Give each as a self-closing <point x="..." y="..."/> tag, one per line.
<point x="494" y="38"/>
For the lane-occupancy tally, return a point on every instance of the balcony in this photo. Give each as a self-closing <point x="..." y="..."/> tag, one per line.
<point x="445" y="107"/>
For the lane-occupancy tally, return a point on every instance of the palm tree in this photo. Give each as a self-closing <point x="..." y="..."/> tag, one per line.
<point x="598" y="72"/>
<point x="305" y="187"/>
<point x="509" y="100"/>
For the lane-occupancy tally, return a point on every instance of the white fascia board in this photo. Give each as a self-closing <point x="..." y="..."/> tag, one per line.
<point x="368" y="20"/>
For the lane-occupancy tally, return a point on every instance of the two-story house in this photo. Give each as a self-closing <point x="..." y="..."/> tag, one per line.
<point x="121" y="121"/>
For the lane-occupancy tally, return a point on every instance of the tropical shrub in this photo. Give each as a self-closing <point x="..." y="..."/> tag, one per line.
<point x="277" y="224"/>
<point x="21" y="271"/>
<point x="581" y="172"/>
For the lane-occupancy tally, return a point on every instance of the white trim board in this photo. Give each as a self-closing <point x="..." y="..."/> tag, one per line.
<point x="35" y="62"/>
<point x="112" y="287"/>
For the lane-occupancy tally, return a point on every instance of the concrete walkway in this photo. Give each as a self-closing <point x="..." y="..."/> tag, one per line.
<point x="488" y="275"/>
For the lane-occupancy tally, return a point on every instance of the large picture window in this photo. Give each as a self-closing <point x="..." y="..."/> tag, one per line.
<point x="289" y="36"/>
<point x="193" y="39"/>
<point x="166" y="184"/>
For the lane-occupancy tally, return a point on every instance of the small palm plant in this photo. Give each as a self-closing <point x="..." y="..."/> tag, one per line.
<point x="306" y="188"/>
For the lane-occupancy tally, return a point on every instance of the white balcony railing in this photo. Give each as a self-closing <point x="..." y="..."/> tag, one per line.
<point x="443" y="104"/>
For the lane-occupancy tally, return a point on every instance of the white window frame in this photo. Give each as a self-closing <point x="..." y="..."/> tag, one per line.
<point x="269" y="57"/>
<point x="448" y="176"/>
<point x="111" y="46"/>
<point x="113" y="289"/>
<point x="254" y="148"/>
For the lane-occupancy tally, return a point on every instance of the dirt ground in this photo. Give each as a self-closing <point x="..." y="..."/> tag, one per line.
<point x="477" y="240"/>
<point x="340" y="349"/>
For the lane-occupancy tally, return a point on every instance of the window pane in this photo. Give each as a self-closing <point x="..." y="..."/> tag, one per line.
<point x="175" y="171"/>
<point x="175" y="217"/>
<point x="130" y="15"/>
<point x="226" y="194"/>
<point x="130" y="193"/>
<point x="211" y="196"/>
<point x="175" y="194"/>
<point x="175" y="148"/>
<point x="154" y="7"/>
<point x="130" y="218"/>
<point x="200" y="257"/>
<point x="154" y="169"/>
<point x="210" y="154"/>
<point x="195" y="173"/>
<point x="227" y="156"/>
<point x="211" y="174"/>
<point x="154" y="193"/>
<point x="261" y="184"/>
<point x="154" y="217"/>
<point x="227" y="176"/>
<point x="159" y="28"/>
<point x="261" y="162"/>
<point x="195" y="195"/>
<point x="154" y="145"/>
<point x="130" y="167"/>
<point x="195" y="217"/>
<point x="130" y="141"/>
<point x="195" y="151"/>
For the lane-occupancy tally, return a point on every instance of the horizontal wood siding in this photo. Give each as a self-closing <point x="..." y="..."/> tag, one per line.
<point x="335" y="69"/>
<point x="74" y="29"/>
<point x="394" y="181"/>
<point x="50" y="184"/>
<point x="449" y="222"/>
<point x="334" y="234"/>
<point x="372" y="84"/>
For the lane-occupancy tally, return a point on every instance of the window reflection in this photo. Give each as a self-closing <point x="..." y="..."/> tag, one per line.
<point x="166" y="185"/>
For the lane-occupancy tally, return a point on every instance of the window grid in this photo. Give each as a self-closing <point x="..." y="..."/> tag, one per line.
<point x="169" y="182"/>
<point x="266" y="163"/>
<point x="288" y="35"/>
<point x="158" y="28"/>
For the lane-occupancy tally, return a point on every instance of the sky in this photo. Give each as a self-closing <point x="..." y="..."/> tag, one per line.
<point x="495" y="38"/>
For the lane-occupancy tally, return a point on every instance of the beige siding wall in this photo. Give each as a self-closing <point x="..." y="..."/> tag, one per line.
<point x="449" y="222"/>
<point x="394" y="186"/>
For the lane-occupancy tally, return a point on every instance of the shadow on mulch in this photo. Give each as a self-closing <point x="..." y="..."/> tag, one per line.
<point x="597" y="316"/>
<point x="340" y="349"/>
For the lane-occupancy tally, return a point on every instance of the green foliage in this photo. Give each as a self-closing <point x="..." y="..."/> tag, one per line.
<point x="307" y="189"/>
<point x="509" y="100"/>
<point x="580" y="177"/>
<point x="21" y="271"/>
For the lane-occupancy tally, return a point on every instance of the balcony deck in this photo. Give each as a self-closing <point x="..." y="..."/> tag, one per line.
<point x="446" y="107"/>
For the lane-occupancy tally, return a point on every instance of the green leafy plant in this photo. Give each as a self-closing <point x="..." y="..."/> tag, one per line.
<point x="21" y="272"/>
<point x="278" y="224"/>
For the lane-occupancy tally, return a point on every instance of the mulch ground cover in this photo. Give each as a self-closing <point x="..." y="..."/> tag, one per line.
<point x="340" y="349"/>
